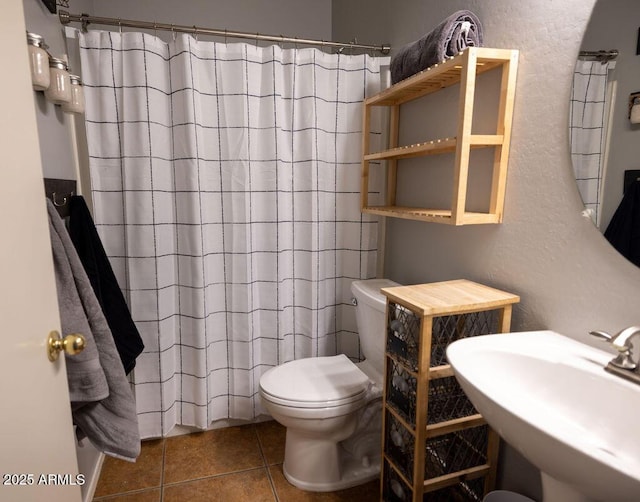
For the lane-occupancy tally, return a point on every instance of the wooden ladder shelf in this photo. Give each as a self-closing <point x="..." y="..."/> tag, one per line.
<point x="462" y="69"/>
<point x="433" y="438"/>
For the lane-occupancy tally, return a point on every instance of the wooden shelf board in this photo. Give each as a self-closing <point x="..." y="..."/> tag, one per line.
<point x="400" y="419"/>
<point x="456" y="424"/>
<point x="411" y="213"/>
<point x="433" y="215"/>
<point x="440" y="76"/>
<point x="455" y="477"/>
<point x="417" y="150"/>
<point x="402" y="363"/>
<point x="397" y="470"/>
<point x="436" y="372"/>
<point x="434" y="147"/>
<point x="449" y="297"/>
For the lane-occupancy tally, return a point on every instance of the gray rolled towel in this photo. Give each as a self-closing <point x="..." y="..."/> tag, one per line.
<point x="460" y="30"/>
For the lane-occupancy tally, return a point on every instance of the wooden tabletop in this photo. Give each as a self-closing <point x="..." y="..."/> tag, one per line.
<point x="449" y="297"/>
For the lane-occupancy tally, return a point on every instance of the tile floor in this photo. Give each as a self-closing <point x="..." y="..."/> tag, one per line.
<point x="235" y="464"/>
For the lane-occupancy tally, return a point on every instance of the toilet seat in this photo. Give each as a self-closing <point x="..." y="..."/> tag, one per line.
<point x="317" y="382"/>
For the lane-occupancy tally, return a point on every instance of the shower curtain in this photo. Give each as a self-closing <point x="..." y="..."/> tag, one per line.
<point x="589" y="109"/>
<point x="225" y="181"/>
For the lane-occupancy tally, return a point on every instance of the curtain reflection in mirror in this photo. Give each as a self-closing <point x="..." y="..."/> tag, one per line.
<point x="592" y="97"/>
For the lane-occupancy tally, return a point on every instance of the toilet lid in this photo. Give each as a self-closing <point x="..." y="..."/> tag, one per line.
<point x="325" y="381"/>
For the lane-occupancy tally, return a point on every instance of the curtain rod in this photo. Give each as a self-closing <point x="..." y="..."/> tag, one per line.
<point x="601" y="56"/>
<point x="85" y="19"/>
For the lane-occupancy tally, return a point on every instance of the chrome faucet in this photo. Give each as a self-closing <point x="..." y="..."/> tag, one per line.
<point x="623" y="364"/>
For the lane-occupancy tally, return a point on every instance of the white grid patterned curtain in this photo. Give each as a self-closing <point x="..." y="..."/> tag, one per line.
<point x="225" y="180"/>
<point x="587" y="130"/>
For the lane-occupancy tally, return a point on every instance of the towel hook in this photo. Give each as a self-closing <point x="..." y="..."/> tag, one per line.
<point x="56" y="203"/>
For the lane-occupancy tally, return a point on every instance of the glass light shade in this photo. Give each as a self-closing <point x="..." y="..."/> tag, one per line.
<point x="38" y="61"/>
<point x="59" y="90"/>
<point x="76" y="103"/>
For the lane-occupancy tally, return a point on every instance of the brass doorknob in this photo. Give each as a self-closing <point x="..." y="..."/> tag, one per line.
<point x="71" y="344"/>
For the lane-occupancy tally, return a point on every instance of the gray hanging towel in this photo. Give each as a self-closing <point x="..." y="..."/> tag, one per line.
<point x="102" y="404"/>
<point x="460" y="30"/>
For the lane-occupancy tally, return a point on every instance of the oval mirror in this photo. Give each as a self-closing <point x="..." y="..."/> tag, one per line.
<point x="604" y="123"/>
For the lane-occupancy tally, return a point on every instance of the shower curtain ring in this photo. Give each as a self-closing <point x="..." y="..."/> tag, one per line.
<point x="256" y="41"/>
<point x="84" y="23"/>
<point x="120" y="25"/>
<point x="195" y="32"/>
<point x="173" y="32"/>
<point x="155" y="30"/>
<point x="225" y="36"/>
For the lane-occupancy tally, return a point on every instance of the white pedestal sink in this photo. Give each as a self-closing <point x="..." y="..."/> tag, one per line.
<point x="549" y="397"/>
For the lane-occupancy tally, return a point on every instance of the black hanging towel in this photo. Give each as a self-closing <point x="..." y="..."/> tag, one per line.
<point x="623" y="231"/>
<point x="96" y="263"/>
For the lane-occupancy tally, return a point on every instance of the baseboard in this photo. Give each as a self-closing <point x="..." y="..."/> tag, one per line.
<point x="90" y="463"/>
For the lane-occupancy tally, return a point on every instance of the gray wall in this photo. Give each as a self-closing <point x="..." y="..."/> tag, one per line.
<point x="308" y="19"/>
<point x="569" y="278"/>
<point x="304" y="19"/>
<point x="614" y="25"/>
<point x="56" y="149"/>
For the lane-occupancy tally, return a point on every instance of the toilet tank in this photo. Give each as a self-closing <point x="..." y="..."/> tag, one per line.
<point x="370" y="317"/>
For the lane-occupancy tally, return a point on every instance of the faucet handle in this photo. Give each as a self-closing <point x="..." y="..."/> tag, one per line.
<point x="603" y="335"/>
<point x="620" y="343"/>
<point x="622" y="340"/>
<point x="623" y="364"/>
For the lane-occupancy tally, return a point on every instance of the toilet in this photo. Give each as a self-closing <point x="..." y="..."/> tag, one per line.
<point x="331" y="407"/>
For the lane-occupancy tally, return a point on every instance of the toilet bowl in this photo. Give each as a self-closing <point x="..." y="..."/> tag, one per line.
<point x="331" y="407"/>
